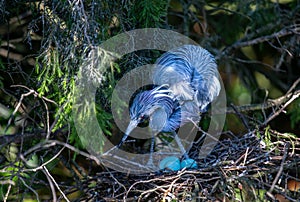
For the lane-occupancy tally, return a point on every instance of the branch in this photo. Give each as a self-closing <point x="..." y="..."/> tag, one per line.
<point x="47" y="173"/>
<point x="7" y="139"/>
<point x="285" y="99"/>
<point x="294" y="29"/>
<point x="285" y="154"/>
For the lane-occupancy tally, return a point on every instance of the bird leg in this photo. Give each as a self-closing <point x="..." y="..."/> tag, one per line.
<point x="150" y="161"/>
<point x="183" y="151"/>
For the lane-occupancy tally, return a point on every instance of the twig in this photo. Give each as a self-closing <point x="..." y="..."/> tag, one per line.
<point x="155" y="179"/>
<point x="7" y="193"/>
<point x="18" y="105"/>
<point x="287" y="99"/>
<point x="7" y="182"/>
<point x="53" y="180"/>
<point x="35" y="193"/>
<point x="36" y="94"/>
<point x="44" y="164"/>
<point x="9" y="138"/>
<point x="286" y="151"/>
<point x="295" y="84"/>
<point x="117" y="181"/>
<point x="276" y="113"/>
<point x="170" y="188"/>
<point x="283" y="32"/>
<point x="246" y="155"/>
<point x="268" y="104"/>
<point x="47" y="162"/>
<point x="51" y="143"/>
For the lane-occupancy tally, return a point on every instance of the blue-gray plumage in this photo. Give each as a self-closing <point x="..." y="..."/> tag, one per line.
<point x="192" y="75"/>
<point x="188" y="81"/>
<point x="158" y="106"/>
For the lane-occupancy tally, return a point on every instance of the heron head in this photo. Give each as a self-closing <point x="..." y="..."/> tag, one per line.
<point x="151" y="107"/>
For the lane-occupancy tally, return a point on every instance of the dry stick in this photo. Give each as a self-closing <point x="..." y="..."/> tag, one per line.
<point x="283" y="32"/>
<point x="7" y="193"/>
<point x="3" y="182"/>
<point x="51" y="143"/>
<point x="206" y="133"/>
<point x="254" y="62"/>
<point x="155" y="179"/>
<point x="36" y="94"/>
<point x="47" y="162"/>
<point x="293" y="86"/>
<point x="51" y="186"/>
<point x="268" y="104"/>
<point x="276" y="113"/>
<point x="246" y="155"/>
<point x="53" y="180"/>
<point x="122" y="185"/>
<point x="170" y="188"/>
<point x="9" y="138"/>
<point x="288" y="98"/>
<point x="44" y="164"/>
<point x="286" y="151"/>
<point x="243" y="156"/>
<point x="18" y="105"/>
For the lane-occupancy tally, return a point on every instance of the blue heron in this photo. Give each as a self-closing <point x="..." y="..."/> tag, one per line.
<point x="187" y="82"/>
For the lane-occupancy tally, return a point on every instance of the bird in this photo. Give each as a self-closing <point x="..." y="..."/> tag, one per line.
<point x="186" y="81"/>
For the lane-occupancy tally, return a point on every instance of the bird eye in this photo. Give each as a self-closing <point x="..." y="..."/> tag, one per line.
<point x="143" y="121"/>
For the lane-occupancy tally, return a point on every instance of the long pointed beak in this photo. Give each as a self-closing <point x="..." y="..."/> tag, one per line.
<point x="132" y="125"/>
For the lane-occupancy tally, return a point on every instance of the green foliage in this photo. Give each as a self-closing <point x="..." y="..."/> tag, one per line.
<point x="247" y="192"/>
<point x="104" y="120"/>
<point x="56" y="82"/>
<point x="267" y="138"/>
<point x="49" y="72"/>
<point x="57" y="67"/>
<point x="12" y="174"/>
<point x="148" y="13"/>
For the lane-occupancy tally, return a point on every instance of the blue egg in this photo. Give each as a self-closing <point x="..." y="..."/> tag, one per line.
<point x="188" y="163"/>
<point x="170" y="163"/>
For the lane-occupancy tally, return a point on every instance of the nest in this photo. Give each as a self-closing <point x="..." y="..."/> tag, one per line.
<point x="262" y="165"/>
